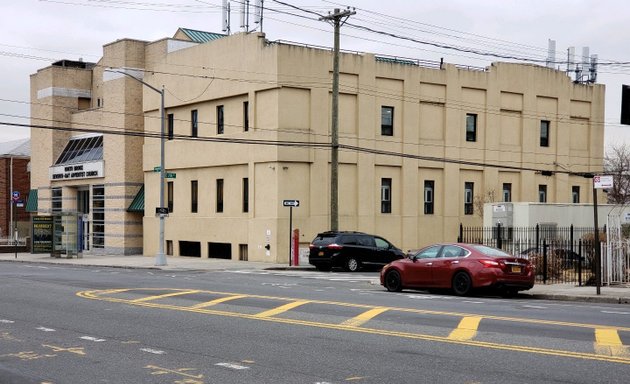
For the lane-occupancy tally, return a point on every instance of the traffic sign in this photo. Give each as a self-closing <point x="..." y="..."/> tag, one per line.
<point x="171" y="175"/>
<point x="603" y="182"/>
<point x="157" y="169"/>
<point x="291" y="203"/>
<point x="161" y="210"/>
<point x="16" y="196"/>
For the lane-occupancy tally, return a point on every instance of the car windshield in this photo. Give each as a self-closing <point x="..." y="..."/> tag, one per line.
<point x="492" y="252"/>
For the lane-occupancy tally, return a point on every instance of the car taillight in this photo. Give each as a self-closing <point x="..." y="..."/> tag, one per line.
<point x="491" y="264"/>
<point x="311" y="246"/>
<point x="334" y="246"/>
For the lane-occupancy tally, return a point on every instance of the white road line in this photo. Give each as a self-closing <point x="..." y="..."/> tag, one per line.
<point x="154" y="351"/>
<point x="534" y="306"/>
<point x="45" y="329"/>
<point x="616" y="312"/>
<point x="472" y="302"/>
<point x="232" y="366"/>
<point x="4" y="321"/>
<point x="90" y="338"/>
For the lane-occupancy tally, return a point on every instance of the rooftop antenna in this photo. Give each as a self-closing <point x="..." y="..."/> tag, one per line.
<point x="592" y="77"/>
<point x="225" y="12"/>
<point x="570" y="59"/>
<point x="551" y="54"/>
<point x="245" y="16"/>
<point x="259" y="13"/>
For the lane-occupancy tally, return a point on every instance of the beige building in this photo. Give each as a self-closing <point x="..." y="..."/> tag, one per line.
<point x="249" y="126"/>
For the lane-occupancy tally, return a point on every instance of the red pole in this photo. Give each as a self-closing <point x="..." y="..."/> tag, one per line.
<point x="296" y="247"/>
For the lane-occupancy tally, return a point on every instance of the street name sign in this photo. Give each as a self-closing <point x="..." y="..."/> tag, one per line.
<point x="291" y="203"/>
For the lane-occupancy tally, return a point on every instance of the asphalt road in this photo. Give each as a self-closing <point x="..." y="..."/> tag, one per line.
<point x="109" y="325"/>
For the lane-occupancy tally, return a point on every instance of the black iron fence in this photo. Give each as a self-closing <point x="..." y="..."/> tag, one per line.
<point x="559" y="254"/>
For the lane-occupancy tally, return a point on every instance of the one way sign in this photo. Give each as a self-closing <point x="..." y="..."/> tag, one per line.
<point x="291" y="203"/>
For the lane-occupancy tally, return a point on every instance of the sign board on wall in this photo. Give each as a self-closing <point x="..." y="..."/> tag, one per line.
<point x="602" y="181"/>
<point x="76" y="171"/>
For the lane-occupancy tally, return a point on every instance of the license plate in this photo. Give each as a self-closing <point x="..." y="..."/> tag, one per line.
<point x="321" y="253"/>
<point x="516" y="269"/>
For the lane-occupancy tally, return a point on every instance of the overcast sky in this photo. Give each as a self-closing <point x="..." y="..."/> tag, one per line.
<point x="37" y="32"/>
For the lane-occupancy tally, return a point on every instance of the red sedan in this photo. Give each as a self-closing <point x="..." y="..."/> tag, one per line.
<point x="460" y="267"/>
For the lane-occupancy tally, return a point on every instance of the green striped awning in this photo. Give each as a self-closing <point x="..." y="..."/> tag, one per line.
<point x="31" y="201"/>
<point x="137" y="205"/>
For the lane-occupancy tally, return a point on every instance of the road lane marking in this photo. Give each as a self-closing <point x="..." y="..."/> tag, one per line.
<point x="76" y="350"/>
<point x="4" y="321"/>
<point x="218" y="301"/>
<point x="153" y="351"/>
<point x="232" y="366"/>
<point x="616" y="312"/>
<point x="363" y="318"/>
<point x="157" y="370"/>
<point x="607" y="342"/>
<point x="179" y="293"/>
<point x="533" y="306"/>
<point x="466" y="330"/>
<point x="281" y="309"/>
<point x="44" y="329"/>
<point x="90" y="338"/>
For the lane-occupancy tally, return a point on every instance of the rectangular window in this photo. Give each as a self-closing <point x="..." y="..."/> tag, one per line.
<point x="471" y="127"/>
<point x="194" y="196"/>
<point x="544" y="133"/>
<point x="56" y="200"/>
<point x="387" y="121"/>
<point x="386" y="195"/>
<point x="194" y="123"/>
<point x="170" y="126"/>
<point x="169" y="195"/>
<point x="469" y="192"/>
<point x="542" y="193"/>
<point x="429" y="192"/>
<point x="575" y="192"/>
<point x="245" y="116"/>
<point x="219" y="195"/>
<point x="98" y="216"/>
<point x="507" y="192"/>
<point x="219" y="119"/>
<point x="245" y="194"/>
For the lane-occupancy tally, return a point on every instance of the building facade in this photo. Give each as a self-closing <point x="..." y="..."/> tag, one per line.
<point x="422" y="145"/>
<point x="15" y="181"/>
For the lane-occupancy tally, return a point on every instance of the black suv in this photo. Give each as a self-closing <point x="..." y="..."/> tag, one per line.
<point x="350" y="250"/>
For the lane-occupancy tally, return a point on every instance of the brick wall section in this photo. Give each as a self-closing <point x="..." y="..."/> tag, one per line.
<point x="21" y="183"/>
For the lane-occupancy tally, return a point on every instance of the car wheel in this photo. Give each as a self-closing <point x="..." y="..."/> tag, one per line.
<point x="393" y="282"/>
<point x="462" y="284"/>
<point x="323" y="267"/>
<point x="352" y="264"/>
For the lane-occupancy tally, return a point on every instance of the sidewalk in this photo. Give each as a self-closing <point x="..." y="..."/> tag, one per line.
<point x="610" y="295"/>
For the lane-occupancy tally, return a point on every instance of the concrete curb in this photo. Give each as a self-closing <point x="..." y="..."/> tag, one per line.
<point x="586" y="299"/>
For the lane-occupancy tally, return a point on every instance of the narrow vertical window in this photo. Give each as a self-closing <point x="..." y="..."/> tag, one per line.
<point x="98" y="216"/>
<point x="542" y="193"/>
<point x="56" y="200"/>
<point x="387" y="121"/>
<point x="386" y="195"/>
<point x="471" y="127"/>
<point x="469" y="192"/>
<point x="219" y="119"/>
<point x="544" y="133"/>
<point x="507" y="192"/>
<point x="575" y="192"/>
<point x="194" y="127"/>
<point x="193" y="196"/>
<point x="245" y="116"/>
<point x="169" y="195"/>
<point x="429" y="192"/>
<point x="171" y="126"/>
<point x="219" y="195"/>
<point x="245" y="194"/>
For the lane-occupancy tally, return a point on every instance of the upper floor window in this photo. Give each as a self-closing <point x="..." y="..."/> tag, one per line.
<point x="471" y="127"/>
<point x="194" y="196"/>
<point x="219" y="195"/>
<point x="245" y="116"/>
<point x="245" y="194"/>
<point x="429" y="192"/>
<point x="194" y="123"/>
<point x="387" y="121"/>
<point x="171" y="126"/>
<point x="542" y="193"/>
<point x="507" y="192"/>
<point x="386" y="195"/>
<point x="469" y="191"/>
<point x="219" y="119"/>
<point x="575" y="192"/>
<point x="544" y="133"/>
<point x="170" y="193"/>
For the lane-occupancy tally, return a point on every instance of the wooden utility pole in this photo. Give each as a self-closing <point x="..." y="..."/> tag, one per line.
<point x="336" y="19"/>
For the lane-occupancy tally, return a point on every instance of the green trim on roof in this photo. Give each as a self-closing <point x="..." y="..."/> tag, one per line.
<point x="395" y="60"/>
<point x="31" y="201"/>
<point x="201" y="36"/>
<point x="137" y="205"/>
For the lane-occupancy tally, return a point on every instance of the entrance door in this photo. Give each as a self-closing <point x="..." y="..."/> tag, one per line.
<point x="83" y="208"/>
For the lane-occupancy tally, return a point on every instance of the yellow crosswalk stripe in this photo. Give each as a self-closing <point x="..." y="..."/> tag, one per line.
<point x="149" y="298"/>
<point x="282" y="308"/>
<point x="467" y="328"/>
<point x="364" y="317"/>
<point x="607" y="342"/>
<point x="218" y="301"/>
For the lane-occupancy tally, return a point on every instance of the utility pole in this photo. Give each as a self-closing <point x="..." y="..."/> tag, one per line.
<point x="336" y="19"/>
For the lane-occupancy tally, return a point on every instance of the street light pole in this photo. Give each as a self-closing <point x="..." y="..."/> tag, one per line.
<point x="160" y="257"/>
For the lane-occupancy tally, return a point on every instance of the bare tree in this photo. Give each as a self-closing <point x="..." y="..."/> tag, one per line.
<point x="480" y="200"/>
<point x="617" y="164"/>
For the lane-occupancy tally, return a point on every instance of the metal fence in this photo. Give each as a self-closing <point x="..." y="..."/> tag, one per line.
<point x="559" y="254"/>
